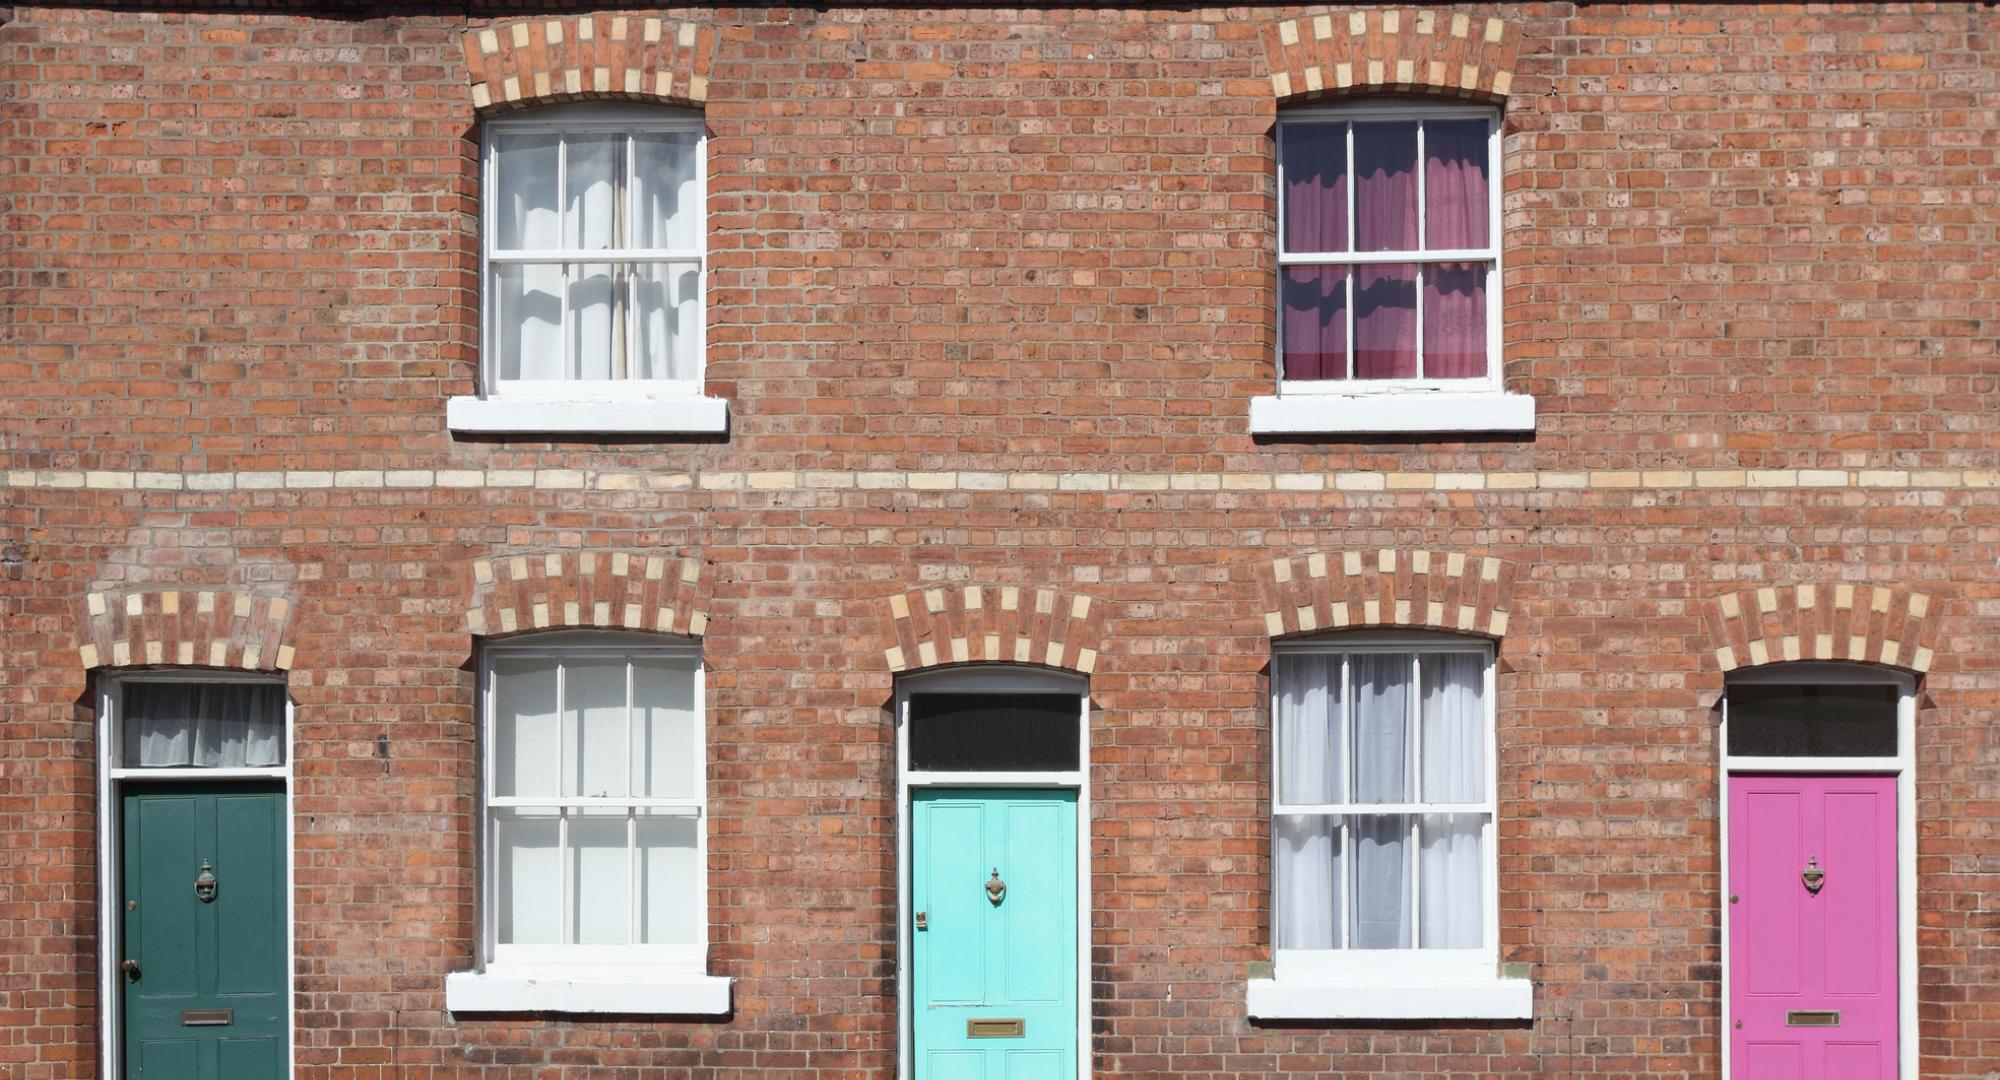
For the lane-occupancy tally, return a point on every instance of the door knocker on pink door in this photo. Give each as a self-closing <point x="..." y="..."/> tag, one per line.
<point x="1812" y="875"/>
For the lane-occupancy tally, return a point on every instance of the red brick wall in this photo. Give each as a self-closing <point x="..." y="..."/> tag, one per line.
<point x="991" y="291"/>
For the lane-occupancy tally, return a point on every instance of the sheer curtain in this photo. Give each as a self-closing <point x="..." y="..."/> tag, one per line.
<point x="219" y="725"/>
<point x="1307" y="870"/>
<point x="1382" y="774"/>
<point x="1451" y="905"/>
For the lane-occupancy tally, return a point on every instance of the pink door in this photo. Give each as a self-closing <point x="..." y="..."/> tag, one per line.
<point x="1812" y="973"/>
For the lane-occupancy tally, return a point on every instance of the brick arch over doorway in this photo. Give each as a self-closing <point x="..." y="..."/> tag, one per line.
<point x="217" y="628"/>
<point x="1865" y="623"/>
<point x="1021" y="624"/>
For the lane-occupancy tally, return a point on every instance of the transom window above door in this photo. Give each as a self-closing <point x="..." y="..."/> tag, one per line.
<point x="593" y="226"/>
<point x="1389" y="260"/>
<point x="185" y="723"/>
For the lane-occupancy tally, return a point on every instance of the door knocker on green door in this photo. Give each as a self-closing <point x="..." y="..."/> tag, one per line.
<point x="996" y="890"/>
<point x="205" y="883"/>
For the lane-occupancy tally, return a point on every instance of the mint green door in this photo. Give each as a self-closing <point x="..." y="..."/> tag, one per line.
<point x="994" y="961"/>
<point x="204" y="978"/>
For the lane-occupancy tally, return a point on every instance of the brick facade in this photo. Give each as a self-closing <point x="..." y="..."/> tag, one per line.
<point x="990" y="291"/>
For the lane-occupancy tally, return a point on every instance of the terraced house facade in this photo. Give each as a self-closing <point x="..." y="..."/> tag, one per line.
<point x="999" y="542"/>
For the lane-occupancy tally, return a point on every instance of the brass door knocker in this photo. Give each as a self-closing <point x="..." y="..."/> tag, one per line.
<point x="1813" y="876"/>
<point x="996" y="890"/>
<point x="204" y="884"/>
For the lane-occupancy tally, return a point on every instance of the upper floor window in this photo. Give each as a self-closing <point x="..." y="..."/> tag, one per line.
<point x="1389" y="269"/>
<point x="1383" y="804"/>
<point x="593" y="231"/>
<point x="1389" y="247"/>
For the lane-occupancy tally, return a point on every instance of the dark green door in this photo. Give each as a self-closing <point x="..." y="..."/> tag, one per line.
<point x="204" y="969"/>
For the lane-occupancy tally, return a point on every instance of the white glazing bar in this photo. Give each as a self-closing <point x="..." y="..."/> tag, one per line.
<point x="1353" y="245"/>
<point x="1416" y="833"/>
<point x="1385" y="808"/>
<point x="581" y="802"/>
<point x="563" y="255"/>
<point x="631" y="817"/>
<point x="1423" y="362"/>
<point x="562" y="813"/>
<point x="1369" y="258"/>
<point x="1343" y="835"/>
<point x="562" y="219"/>
<point x="1280" y="336"/>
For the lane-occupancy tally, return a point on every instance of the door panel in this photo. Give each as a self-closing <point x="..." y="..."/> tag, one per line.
<point x="1011" y="962"/>
<point x="224" y="957"/>
<point x="1813" y="974"/>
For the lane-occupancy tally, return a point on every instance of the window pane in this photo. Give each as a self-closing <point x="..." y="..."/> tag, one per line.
<point x="593" y="322"/>
<point x="528" y="320"/>
<point x="669" y="904"/>
<point x="1314" y="157"/>
<point x="1309" y="752"/>
<point x="524" y="727"/>
<point x="590" y="208"/>
<point x="1381" y="882"/>
<point x="998" y="731"/>
<point x="1455" y="321"/>
<point x="600" y="881"/>
<point x="1454" y="728"/>
<point x="528" y="878"/>
<point x="668" y="304"/>
<point x="217" y="725"/>
<point x="1453" y="905"/>
<point x="1385" y="321"/>
<point x="665" y="757"/>
<point x="666" y="205"/>
<point x="1385" y="192"/>
<point x="1306" y="878"/>
<point x="1315" y="326"/>
<point x="1382" y="764"/>
<point x="1455" y="191"/>
<point x="1777" y="720"/>
<point x="594" y="747"/>
<point x="524" y="211"/>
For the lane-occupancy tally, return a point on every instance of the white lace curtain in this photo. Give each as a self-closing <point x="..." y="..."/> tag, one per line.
<point x="218" y="725"/>
<point x="1376" y="764"/>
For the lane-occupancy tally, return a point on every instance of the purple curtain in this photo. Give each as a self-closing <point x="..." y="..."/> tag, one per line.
<point x="1385" y="186"/>
<point x="1315" y="329"/>
<point x="1315" y="159"/>
<point x="1385" y="321"/>
<point x="1455" y="321"/>
<point x="1455" y="201"/>
<point x="1455" y="194"/>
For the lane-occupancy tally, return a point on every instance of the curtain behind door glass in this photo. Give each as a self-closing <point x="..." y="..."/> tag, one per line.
<point x="219" y="725"/>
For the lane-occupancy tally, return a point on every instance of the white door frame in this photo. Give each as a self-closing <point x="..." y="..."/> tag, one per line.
<point x="1903" y="767"/>
<point x="111" y="779"/>
<point x="991" y="678"/>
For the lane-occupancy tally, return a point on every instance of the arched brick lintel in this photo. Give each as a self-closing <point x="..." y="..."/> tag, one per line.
<point x="1326" y="591"/>
<point x="1864" y="623"/>
<point x="215" y="628"/>
<point x="656" y="592"/>
<point x="1347" y="52"/>
<point x="588" y="57"/>
<point x="971" y="624"/>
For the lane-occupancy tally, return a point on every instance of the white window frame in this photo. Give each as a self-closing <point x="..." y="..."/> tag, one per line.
<point x="588" y="405"/>
<point x="1902" y="766"/>
<point x="1411" y="983"/>
<point x="113" y="777"/>
<point x="1393" y="405"/>
<point x="632" y="978"/>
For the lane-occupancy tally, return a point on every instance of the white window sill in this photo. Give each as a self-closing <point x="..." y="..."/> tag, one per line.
<point x="1416" y="412"/>
<point x="1417" y="996"/>
<point x="607" y="988"/>
<point x="688" y="415"/>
